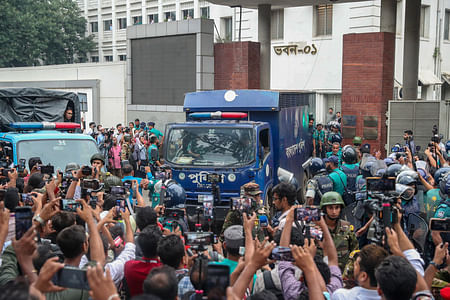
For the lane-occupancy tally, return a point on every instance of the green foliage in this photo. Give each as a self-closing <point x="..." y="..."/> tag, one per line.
<point x="42" y="32"/>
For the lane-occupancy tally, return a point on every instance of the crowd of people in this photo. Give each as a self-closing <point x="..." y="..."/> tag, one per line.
<point x="359" y="231"/>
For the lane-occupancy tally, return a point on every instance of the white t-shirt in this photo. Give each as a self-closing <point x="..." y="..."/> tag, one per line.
<point x="356" y="293"/>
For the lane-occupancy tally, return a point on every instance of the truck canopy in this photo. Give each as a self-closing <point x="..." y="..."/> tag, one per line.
<point x="36" y="105"/>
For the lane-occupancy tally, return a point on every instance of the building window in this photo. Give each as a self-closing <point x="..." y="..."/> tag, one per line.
<point x="108" y="58"/>
<point x="227" y="29"/>
<point x="169" y="16"/>
<point x="94" y="58"/>
<point x="152" y="18"/>
<point x="424" y="21"/>
<point x="188" y="14"/>
<point x="277" y="24"/>
<point x="107" y="25"/>
<point x="122" y="23"/>
<point x="137" y="20"/>
<point x="323" y="18"/>
<point x="447" y="25"/>
<point x="122" y="57"/>
<point x="94" y="27"/>
<point x="204" y="12"/>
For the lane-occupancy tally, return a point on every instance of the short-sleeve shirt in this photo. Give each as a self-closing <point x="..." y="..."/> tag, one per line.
<point x="432" y="200"/>
<point x="136" y="271"/>
<point x="319" y="135"/>
<point x="156" y="132"/>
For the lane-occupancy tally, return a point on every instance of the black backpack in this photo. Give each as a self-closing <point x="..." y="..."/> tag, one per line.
<point x="270" y="286"/>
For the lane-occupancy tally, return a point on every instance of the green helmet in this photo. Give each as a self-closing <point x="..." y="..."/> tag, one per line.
<point x="112" y="181"/>
<point x="330" y="198"/>
<point x="357" y="140"/>
<point x="72" y="167"/>
<point x="98" y="156"/>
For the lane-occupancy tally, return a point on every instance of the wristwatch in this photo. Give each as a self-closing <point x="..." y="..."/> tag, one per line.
<point x="38" y="219"/>
<point x="434" y="265"/>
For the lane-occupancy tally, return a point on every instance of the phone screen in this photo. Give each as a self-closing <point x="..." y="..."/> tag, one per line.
<point x="118" y="190"/>
<point x="199" y="238"/>
<point x="70" y="277"/>
<point x="307" y="214"/>
<point x="208" y="207"/>
<point x="380" y="184"/>
<point x="24" y="220"/>
<point x="27" y="200"/>
<point x="120" y="206"/>
<point x="440" y="224"/>
<point x="69" y="205"/>
<point x="281" y="253"/>
<point x="218" y="279"/>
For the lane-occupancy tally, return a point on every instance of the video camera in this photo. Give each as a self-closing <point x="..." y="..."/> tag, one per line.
<point x="381" y="203"/>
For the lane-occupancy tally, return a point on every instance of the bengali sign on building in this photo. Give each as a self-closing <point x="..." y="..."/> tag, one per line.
<point x="295" y="49"/>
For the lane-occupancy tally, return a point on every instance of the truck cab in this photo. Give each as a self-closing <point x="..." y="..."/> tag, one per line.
<point x="54" y="147"/>
<point x="244" y="136"/>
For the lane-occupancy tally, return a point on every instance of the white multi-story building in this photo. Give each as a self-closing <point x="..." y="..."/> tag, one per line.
<point x="318" y="30"/>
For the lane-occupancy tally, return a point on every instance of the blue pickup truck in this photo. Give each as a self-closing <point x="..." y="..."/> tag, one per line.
<point x="242" y="135"/>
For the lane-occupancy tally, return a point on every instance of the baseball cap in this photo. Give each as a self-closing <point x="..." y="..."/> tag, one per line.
<point x="325" y="160"/>
<point x="365" y="148"/>
<point x="234" y="236"/>
<point x="151" y="124"/>
<point x="334" y="159"/>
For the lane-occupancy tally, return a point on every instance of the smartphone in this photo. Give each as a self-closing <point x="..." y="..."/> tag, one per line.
<point x="71" y="277"/>
<point x="199" y="238"/>
<point x="21" y="165"/>
<point x="118" y="190"/>
<point x="93" y="202"/>
<point x="128" y="184"/>
<point x="263" y="221"/>
<point x="5" y="172"/>
<point x="140" y="174"/>
<point x="217" y="279"/>
<point x="24" y="220"/>
<point x="307" y="214"/>
<point x="120" y="207"/>
<point x="27" y="200"/>
<point x="90" y="184"/>
<point x="281" y="253"/>
<point x="380" y="184"/>
<point x="316" y="234"/>
<point x="69" y="205"/>
<point x="440" y="224"/>
<point x="49" y="169"/>
<point x="208" y="210"/>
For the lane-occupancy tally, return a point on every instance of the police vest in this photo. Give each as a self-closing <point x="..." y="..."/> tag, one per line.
<point x="351" y="177"/>
<point x="324" y="184"/>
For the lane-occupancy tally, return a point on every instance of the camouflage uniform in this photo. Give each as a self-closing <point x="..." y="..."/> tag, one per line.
<point x="234" y="217"/>
<point x="347" y="275"/>
<point x="345" y="241"/>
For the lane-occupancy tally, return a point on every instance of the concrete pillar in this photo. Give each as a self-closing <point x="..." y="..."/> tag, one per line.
<point x="264" y="19"/>
<point x="411" y="49"/>
<point x="388" y="20"/>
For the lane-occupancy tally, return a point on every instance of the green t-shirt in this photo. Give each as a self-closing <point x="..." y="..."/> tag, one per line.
<point x="150" y="153"/>
<point x="227" y="262"/>
<point x="339" y="181"/>
<point x="443" y="211"/>
<point x="339" y="155"/>
<point x="156" y="132"/>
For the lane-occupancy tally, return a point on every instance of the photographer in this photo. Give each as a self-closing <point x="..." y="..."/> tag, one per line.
<point x="409" y="139"/>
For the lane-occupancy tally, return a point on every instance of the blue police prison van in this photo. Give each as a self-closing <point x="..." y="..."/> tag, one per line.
<point x="244" y="135"/>
<point x="32" y="124"/>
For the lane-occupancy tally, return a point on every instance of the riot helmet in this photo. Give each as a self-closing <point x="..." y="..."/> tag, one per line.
<point x="336" y="138"/>
<point x="349" y="155"/>
<point x="173" y="194"/>
<point x="439" y="174"/>
<point x="317" y="166"/>
<point x="444" y="185"/>
<point x="393" y="170"/>
<point x="404" y="191"/>
<point x="407" y="177"/>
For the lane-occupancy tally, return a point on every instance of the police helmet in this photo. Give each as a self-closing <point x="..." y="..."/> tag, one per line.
<point x="330" y="198"/>
<point x="71" y="167"/>
<point x="112" y="181"/>
<point x="367" y="167"/>
<point x="175" y="196"/>
<point x="336" y="138"/>
<point x="444" y="185"/>
<point x="349" y="155"/>
<point x="407" y="177"/>
<point x="98" y="156"/>
<point x="357" y="140"/>
<point x="317" y="166"/>
<point x="405" y="191"/>
<point x="393" y="170"/>
<point x="389" y="161"/>
<point x="439" y="174"/>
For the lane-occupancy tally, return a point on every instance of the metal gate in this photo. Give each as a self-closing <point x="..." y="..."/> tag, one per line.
<point x="418" y="116"/>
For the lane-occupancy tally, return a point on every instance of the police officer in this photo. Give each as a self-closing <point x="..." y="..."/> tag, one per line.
<point x="341" y="231"/>
<point x="319" y="184"/>
<point x="443" y="210"/>
<point x="98" y="162"/>
<point x="357" y="142"/>
<point x="406" y="186"/>
<point x="350" y="167"/>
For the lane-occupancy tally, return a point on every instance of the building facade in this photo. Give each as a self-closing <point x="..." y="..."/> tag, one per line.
<point x="306" y="41"/>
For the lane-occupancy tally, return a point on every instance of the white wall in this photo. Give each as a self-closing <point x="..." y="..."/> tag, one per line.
<point x="111" y="90"/>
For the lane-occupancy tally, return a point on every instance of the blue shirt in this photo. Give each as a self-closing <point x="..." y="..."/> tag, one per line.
<point x="131" y="178"/>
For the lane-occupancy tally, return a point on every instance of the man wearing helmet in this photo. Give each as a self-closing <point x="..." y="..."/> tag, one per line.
<point x="343" y="237"/>
<point x="98" y="162"/>
<point x="334" y="136"/>
<point x="443" y="210"/>
<point x="406" y="186"/>
<point x="319" y="184"/>
<point x="350" y="167"/>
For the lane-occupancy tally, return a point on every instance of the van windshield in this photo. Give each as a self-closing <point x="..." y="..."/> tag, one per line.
<point x="58" y="152"/>
<point x="206" y="146"/>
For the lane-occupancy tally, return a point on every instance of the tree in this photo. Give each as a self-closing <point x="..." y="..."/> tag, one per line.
<point x="42" y="32"/>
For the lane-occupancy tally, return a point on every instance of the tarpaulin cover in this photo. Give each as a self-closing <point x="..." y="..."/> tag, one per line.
<point x="36" y="105"/>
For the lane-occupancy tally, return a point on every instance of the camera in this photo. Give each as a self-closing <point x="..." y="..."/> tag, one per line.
<point x="173" y="213"/>
<point x="48" y="169"/>
<point x="381" y="184"/>
<point x="214" y="178"/>
<point x="86" y="170"/>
